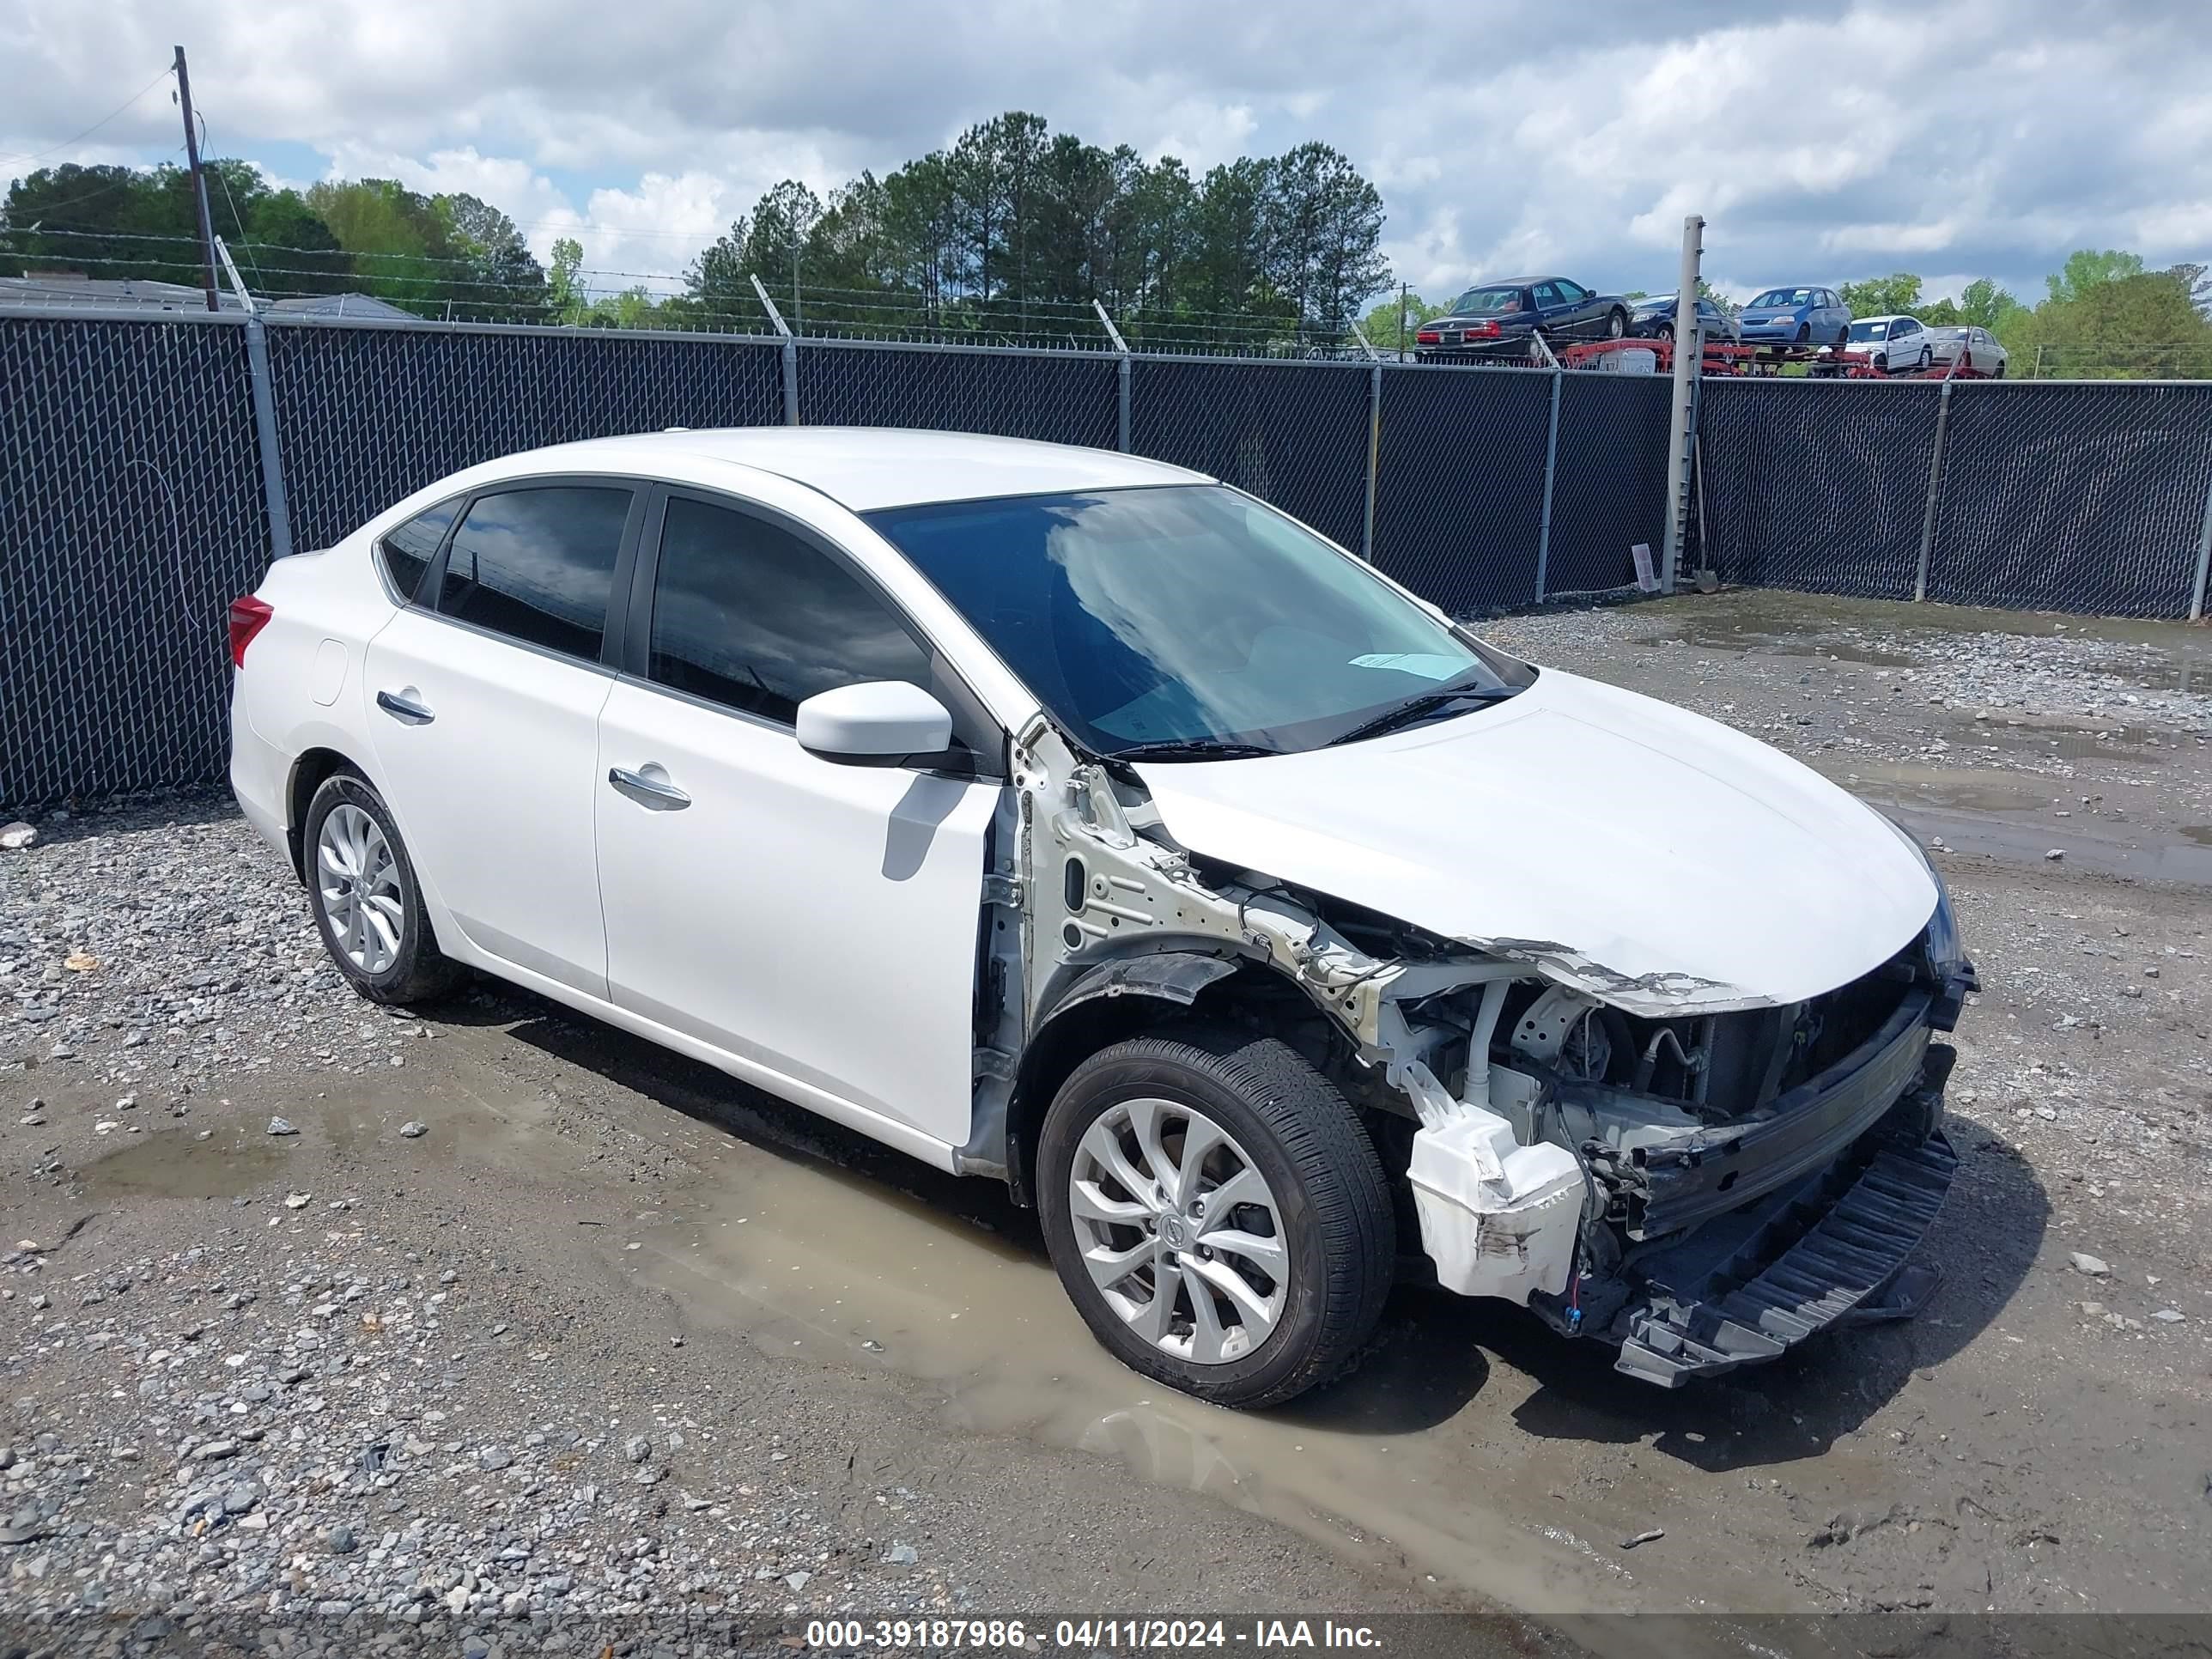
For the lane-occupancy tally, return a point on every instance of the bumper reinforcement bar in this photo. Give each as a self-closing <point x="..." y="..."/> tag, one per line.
<point x="1847" y="1266"/>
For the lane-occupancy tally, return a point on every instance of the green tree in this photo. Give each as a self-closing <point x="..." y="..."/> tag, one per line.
<point x="1381" y="325"/>
<point x="565" y="289"/>
<point x="2141" y="325"/>
<point x="1987" y="306"/>
<point x="1882" y="296"/>
<point x="2088" y="268"/>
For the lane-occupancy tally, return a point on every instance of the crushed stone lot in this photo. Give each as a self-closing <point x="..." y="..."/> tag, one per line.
<point x="322" y="1327"/>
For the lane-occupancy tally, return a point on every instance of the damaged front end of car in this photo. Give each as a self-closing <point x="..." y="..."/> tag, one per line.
<point x="1688" y="1170"/>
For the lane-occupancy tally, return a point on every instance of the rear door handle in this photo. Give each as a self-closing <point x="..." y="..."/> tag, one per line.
<point x="649" y="790"/>
<point x="401" y="707"/>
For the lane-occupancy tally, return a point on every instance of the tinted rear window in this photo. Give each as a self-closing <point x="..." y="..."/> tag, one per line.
<point x="536" y="565"/>
<point x="407" y="551"/>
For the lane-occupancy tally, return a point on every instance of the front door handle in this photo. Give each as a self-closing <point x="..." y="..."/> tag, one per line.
<point x="650" y="788"/>
<point x="401" y="706"/>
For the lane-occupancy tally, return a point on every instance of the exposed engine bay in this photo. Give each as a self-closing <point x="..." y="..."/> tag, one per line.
<point x="1689" y="1169"/>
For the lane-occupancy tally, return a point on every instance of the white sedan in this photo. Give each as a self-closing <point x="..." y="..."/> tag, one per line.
<point x="1081" y="822"/>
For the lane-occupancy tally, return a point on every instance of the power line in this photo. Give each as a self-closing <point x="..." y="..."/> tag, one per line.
<point x="96" y="126"/>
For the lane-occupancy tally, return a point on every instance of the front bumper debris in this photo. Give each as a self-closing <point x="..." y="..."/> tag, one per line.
<point x="1831" y="1250"/>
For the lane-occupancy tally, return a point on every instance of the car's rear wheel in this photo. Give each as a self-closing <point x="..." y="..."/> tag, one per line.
<point x="367" y="901"/>
<point x="1927" y="356"/>
<point x="1842" y="336"/>
<point x="1616" y="324"/>
<point x="1216" y="1213"/>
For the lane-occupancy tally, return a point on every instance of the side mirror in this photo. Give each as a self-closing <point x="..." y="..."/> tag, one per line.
<point x="875" y="723"/>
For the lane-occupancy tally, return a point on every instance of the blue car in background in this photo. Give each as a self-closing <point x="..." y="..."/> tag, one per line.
<point x="1800" y="316"/>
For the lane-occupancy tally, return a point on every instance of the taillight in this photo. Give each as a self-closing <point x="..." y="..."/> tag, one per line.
<point x="1488" y="330"/>
<point x="1428" y="336"/>
<point x="248" y="616"/>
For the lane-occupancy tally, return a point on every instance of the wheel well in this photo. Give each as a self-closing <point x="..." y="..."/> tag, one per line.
<point x="1252" y="995"/>
<point x="307" y="774"/>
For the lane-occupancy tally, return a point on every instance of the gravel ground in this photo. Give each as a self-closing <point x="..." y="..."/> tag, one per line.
<point x="524" y="1380"/>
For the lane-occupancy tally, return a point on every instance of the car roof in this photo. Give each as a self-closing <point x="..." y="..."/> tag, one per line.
<point x="861" y="468"/>
<point x="1889" y="317"/>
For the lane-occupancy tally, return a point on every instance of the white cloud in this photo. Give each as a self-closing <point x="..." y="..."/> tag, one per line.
<point x="1823" y="141"/>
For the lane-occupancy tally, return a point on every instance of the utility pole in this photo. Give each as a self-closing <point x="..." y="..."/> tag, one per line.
<point x="1682" y="430"/>
<point x="199" y="182"/>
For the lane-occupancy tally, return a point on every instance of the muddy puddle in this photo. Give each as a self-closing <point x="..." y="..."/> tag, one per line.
<point x="1780" y="624"/>
<point x="812" y="1263"/>
<point x="2012" y="816"/>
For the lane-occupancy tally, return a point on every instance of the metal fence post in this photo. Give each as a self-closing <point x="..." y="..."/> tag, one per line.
<point x="1374" y="442"/>
<point x="1551" y="472"/>
<point x="264" y="411"/>
<point x="265" y="431"/>
<point x="1120" y="374"/>
<point x="1689" y="363"/>
<point x="2204" y="561"/>
<point x="790" y="356"/>
<point x="1934" y="488"/>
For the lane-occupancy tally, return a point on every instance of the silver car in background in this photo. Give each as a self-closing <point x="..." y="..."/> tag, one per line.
<point x="1982" y="350"/>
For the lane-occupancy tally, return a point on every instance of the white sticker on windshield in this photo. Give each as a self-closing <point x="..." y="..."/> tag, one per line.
<point x="1428" y="664"/>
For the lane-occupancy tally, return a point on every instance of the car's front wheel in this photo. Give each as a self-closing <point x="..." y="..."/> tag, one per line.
<point x="368" y="903"/>
<point x="1217" y="1212"/>
<point x="1804" y="334"/>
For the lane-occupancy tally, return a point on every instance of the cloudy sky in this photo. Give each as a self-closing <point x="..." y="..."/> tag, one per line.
<point x="1822" y="141"/>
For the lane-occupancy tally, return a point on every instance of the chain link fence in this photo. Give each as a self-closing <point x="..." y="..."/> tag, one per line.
<point x="132" y="512"/>
<point x="139" y="496"/>
<point x="2093" y="497"/>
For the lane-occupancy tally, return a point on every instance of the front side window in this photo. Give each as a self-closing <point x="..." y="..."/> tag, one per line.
<point x="1573" y="293"/>
<point x="1188" y="616"/>
<point x="537" y="565"/>
<point x="747" y="615"/>
<point x="407" y="551"/>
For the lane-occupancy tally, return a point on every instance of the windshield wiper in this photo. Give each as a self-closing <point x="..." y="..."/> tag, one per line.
<point x="1418" y="708"/>
<point x="1192" y="749"/>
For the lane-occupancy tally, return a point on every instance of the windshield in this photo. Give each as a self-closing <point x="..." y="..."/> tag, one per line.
<point x="1870" y="330"/>
<point x="1780" y="299"/>
<point x="1186" y="614"/>
<point x="1481" y="301"/>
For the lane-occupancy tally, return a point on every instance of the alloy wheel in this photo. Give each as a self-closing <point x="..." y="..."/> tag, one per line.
<point x="1179" y="1230"/>
<point x="357" y="878"/>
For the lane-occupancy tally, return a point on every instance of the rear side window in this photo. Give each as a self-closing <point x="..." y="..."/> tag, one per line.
<point x="537" y="565"/>
<point x="407" y="551"/>
<point x="747" y="615"/>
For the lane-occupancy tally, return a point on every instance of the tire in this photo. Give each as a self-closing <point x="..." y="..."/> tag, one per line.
<point x="1842" y="336"/>
<point x="1804" y="334"/>
<point x="1325" y="1197"/>
<point x="1997" y="373"/>
<point x="1882" y="362"/>
<point x="1616" y="324"/>
<point x="1927" y="358"/>
<point x="367" y="901"/>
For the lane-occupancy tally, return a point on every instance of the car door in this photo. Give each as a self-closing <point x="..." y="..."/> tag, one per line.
<point x="483" y="707"/>
<point x="1579" y="308"/>
<point x="1905" y="343"/>
<point x="815" y="921"/>
<point x="1553" y="314"/>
